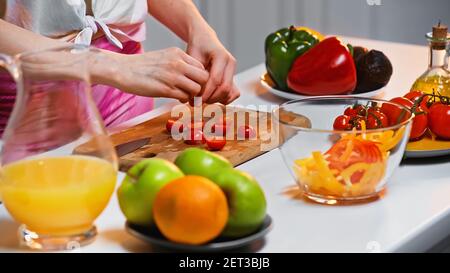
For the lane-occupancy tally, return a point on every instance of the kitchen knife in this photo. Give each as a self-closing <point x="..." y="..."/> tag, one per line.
<point x="131" y="146"/>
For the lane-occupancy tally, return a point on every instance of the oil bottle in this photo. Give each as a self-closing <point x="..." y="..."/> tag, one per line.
<point x="437" y="77"/>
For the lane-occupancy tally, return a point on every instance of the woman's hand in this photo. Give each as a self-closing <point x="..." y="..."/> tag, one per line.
<point x="167" y="73"/>
<point x="207" y="48"/>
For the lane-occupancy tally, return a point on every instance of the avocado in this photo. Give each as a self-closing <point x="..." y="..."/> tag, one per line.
<point x="374" y="70"/>
<point x="358" y="51"/>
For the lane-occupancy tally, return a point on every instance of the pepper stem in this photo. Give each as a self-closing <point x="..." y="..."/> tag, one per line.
<point x="292" y="29"/>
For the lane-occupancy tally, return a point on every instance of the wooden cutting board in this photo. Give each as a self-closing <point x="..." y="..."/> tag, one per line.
<point x="162" y="145"/>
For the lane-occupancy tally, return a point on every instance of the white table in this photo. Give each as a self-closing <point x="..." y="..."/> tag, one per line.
<point x="413" y="216"/>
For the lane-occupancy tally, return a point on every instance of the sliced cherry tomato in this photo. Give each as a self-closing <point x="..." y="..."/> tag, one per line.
<point x="195" y="137"/>
<point x="415" y="96"/>
<point x="376" y="119"/>
<point x="216" y="144"/>
<point x="396" y="114"/>
<point x="342" y="123"/>
<point x="169" y="124"/>
<point x="439" y="120"/>
<point x="246" y="132"/>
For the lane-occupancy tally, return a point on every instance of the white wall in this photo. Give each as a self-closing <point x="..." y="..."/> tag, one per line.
<point x="243" y="24"/>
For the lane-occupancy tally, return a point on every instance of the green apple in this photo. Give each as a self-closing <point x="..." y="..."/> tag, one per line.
<point x="246" y="202"/>
<point x="139" y="188"/>
<point x="195" y="161"/>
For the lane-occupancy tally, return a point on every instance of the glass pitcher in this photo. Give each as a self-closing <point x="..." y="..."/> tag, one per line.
<point x="58" y="166"/>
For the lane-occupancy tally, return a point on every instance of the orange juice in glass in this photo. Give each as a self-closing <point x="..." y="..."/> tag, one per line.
<point x="58" y="195"/>
<point x="50" y="185"/>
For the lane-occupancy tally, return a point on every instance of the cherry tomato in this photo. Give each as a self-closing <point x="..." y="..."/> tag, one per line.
<point x="439" y="120"/>
<point x="361" y="110"/>
<point x="350" y="111"/>
<point x="246" y="132"/>
<point x="195" y="137"/>
<point x="396" y="114"/>
<point x="375" y="109"/>
<point x="216" y="144"/>
<point x="356" y="110"/>
<point x="376" y="119"/>
<point x="169" y="124"/>
<point x="342" y="123"/>
<point x="415" y="96"/>
<point x="220" y="128"/>
<point x="420" y="124"/>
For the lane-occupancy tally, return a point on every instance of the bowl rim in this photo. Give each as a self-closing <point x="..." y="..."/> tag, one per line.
<point x="275" y="115"/>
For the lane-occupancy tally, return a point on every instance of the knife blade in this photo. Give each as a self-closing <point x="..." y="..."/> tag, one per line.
<point x="131" y="146"/>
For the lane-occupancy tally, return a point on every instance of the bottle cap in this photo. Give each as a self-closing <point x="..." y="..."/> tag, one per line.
<point x="439" y="36"/>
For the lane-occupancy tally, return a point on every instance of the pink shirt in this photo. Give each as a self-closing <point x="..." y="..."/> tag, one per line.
<point x="121" y="22"/>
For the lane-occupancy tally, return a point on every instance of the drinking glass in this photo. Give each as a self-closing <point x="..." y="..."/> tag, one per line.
<point x="48" y="184"/>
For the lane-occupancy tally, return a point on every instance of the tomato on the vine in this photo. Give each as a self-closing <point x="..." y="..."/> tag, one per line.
<point x="415" y="96"/>
<point x="361" y="110"/>
<point x="419" y="125"/>
<point x="342" y="123"/>
<point x="439" y="120"/>
<point x="355" y="110"/>
<point x="376" y="119"/>
<point x="394" y="113"/>
<point x="357" y="122"/>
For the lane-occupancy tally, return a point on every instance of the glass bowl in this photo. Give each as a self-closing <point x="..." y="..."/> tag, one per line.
<point x="340" y="166"/>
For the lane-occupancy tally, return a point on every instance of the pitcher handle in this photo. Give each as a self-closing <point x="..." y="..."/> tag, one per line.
<point x="11" y="66"/>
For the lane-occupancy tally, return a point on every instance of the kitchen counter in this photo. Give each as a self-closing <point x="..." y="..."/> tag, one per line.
<point x="413" y="216"/>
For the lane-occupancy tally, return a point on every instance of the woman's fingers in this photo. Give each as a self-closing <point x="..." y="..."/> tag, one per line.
<point x="158" y="88"/>
<point x="176" y="93"/>
<point x="233" y="95"/>
<point x="180" y="95"/>
<point x="196" y="74"/>
<point x="218" y="66"/>
<point x="165" y="73"/>
<point x="192" y="61"/>
<point x="189" y="86"/>
<point x="221" y="93"/>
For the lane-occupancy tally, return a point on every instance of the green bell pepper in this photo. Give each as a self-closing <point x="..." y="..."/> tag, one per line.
<point x="282" y="48"/>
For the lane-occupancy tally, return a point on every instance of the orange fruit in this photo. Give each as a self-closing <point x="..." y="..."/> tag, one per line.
<point x="191" y="210"/>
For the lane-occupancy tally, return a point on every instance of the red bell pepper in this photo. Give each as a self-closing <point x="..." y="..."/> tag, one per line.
<point x="326" y="69"/>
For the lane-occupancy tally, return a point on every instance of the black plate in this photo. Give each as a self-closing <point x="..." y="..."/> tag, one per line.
<point x="154" y="237"/>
